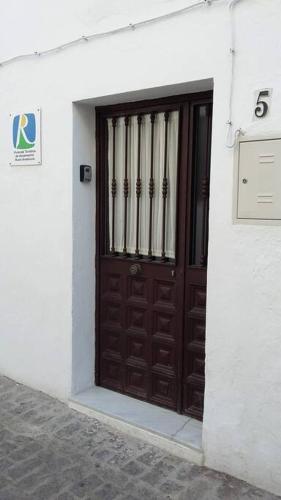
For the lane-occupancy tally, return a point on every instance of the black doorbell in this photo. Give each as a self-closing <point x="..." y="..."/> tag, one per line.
<point x="85" y="173"/>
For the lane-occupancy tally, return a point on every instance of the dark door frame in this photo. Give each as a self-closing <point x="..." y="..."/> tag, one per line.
<point x="183" y="237"/>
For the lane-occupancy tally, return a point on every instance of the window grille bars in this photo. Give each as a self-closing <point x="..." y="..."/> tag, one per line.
<point x="142" y="177"/>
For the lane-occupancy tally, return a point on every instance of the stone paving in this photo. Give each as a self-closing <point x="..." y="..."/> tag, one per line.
<point x="48" y="451"/>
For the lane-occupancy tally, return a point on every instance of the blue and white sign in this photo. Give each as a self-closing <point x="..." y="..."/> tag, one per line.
<point x="25" y="132"/>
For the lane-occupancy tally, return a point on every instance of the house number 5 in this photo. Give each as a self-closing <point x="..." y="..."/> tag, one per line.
<point x="262" y="107"/>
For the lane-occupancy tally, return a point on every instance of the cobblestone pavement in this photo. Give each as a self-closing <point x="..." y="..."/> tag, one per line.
<point x="48" y="451"/>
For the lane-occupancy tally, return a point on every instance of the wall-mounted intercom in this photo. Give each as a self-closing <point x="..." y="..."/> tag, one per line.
<point x="257" y="196"/>
<point x="85" y="173"/>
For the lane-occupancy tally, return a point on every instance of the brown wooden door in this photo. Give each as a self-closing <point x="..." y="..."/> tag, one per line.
<point x="152" y="230"/>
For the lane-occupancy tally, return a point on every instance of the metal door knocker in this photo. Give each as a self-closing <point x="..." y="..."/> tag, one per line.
<point x="135" y="269"/>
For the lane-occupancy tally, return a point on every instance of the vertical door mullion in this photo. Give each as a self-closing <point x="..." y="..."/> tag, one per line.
<point x="151" y="185"/>
<point x="165" y="186"/>
<point x="126" y="185"/>
<point x="183" y="199"/>
<point x="113" y="186"/>
<point x="138" y="187"/>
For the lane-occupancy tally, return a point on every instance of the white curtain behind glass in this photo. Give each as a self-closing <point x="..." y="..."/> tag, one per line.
<point x="157" y="203"/>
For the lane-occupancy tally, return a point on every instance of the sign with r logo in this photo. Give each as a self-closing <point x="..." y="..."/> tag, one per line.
<point x="25" y="133"/>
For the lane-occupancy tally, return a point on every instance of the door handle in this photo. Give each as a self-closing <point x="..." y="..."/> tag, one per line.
<point x="173" y="273"/>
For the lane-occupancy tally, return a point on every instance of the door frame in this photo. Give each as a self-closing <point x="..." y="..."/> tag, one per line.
<point x="182" y="237"/>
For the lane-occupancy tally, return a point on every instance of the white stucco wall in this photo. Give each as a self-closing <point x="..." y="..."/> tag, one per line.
<point x="47" y="218"/>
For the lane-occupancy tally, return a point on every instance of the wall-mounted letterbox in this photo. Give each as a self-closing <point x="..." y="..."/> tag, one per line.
<point x="258" y="180"/>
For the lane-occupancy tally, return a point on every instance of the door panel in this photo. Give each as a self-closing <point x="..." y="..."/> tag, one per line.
<point x="196" y="260"/>
<point x="138" y="329"/>
<point x="152" y="231"/>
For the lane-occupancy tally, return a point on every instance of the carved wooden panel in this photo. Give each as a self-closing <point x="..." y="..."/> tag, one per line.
<point x="111" y="342"/>
<point x="137" y="289"/>
<point x="136" y="381"/>
<point x="112" y="285"/>
<point x="164" y="390"/>
<point x="136" y="349"/>
<point x="196" y="338"/>
<point x="195" y="401"/>
<point x="164" y="293"/>
<point x="163" y="356"/>
<point x="136" y="319"/>
<point x="198" y="297"/>
<point x="111" y="373"/>
<point x="111" y="314"/>
<point x="164" y="324"/>
<point x="199" y="365"/>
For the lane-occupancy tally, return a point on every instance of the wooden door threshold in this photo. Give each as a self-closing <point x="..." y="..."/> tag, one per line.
<point x="176" y="434"/>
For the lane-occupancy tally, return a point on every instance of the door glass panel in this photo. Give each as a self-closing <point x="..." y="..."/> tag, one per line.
<point x="142" y="168"/>
<point x="200" y="184"/>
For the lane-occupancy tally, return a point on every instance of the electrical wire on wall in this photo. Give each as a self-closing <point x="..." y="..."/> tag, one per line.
<point x="121" y="29"/>
<point x="232" y="137"/>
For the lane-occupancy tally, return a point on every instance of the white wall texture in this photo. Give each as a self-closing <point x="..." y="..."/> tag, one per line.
<point x="47" y="218"/>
